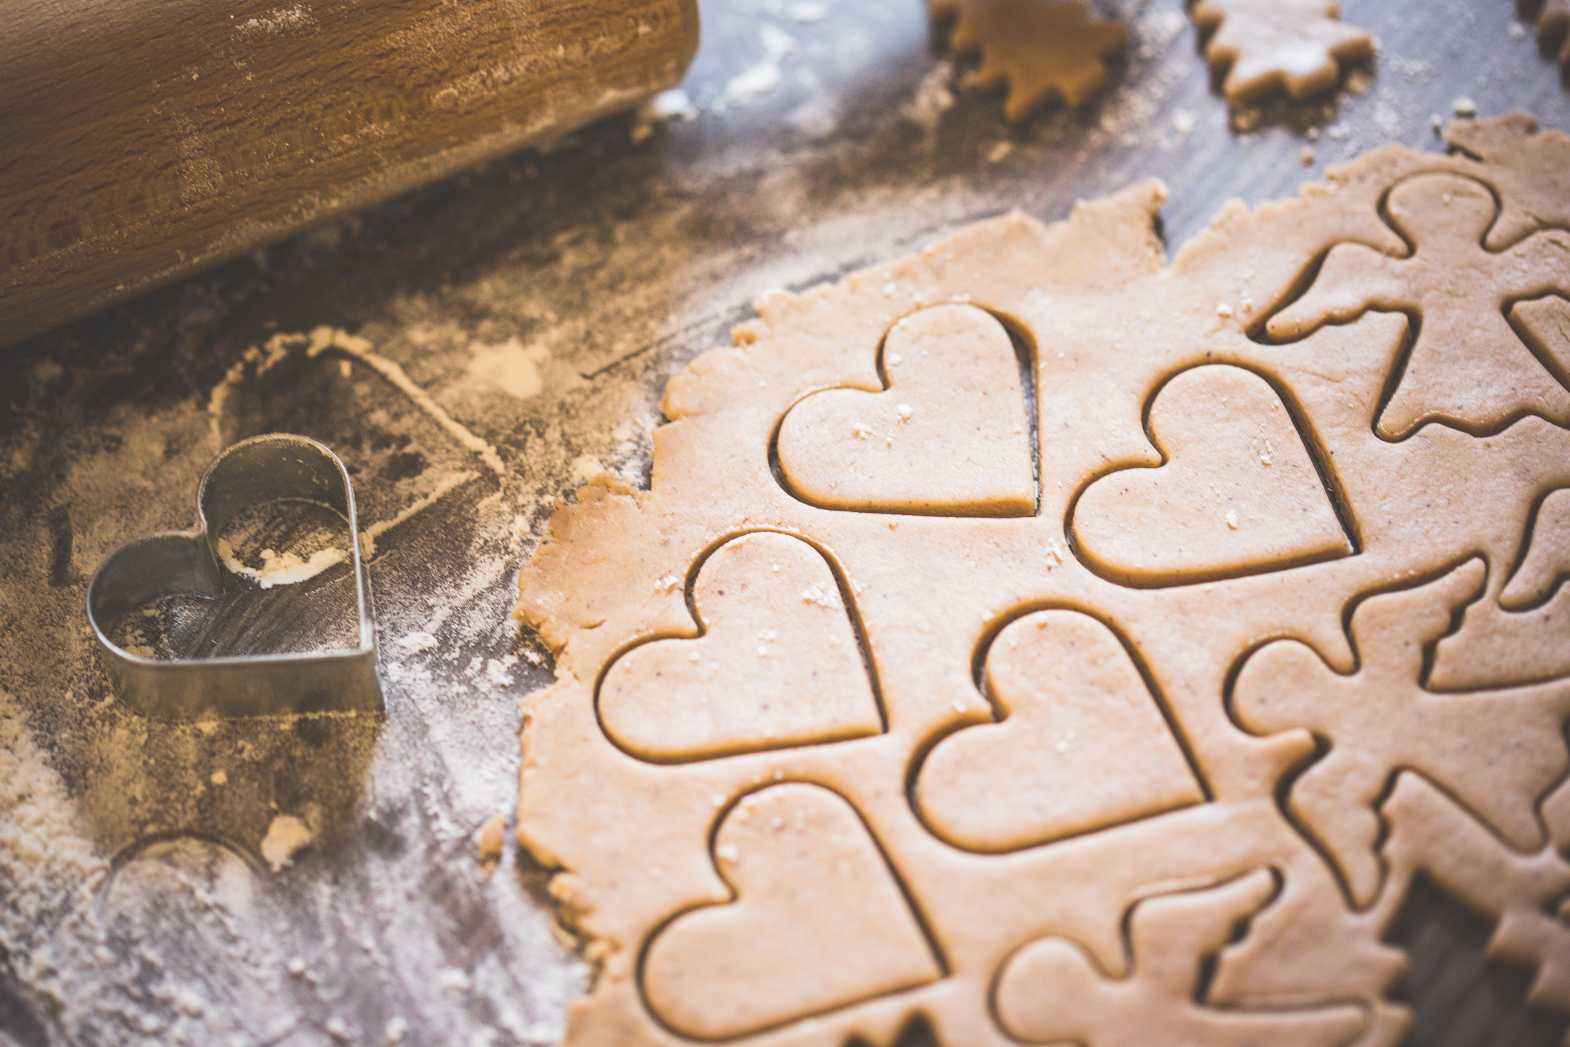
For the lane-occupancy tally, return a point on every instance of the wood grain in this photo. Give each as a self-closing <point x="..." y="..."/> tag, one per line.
<point x="149" y="138"/>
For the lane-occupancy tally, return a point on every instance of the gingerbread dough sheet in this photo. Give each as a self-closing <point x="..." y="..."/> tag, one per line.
<point x="1118" y="689"/>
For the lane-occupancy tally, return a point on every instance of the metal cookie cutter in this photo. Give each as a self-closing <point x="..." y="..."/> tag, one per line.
<point x="262" y="469"/>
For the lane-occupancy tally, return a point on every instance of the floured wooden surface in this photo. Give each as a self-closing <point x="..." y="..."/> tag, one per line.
<point x="532" y="312"/>
<point x="1255" y="568"/>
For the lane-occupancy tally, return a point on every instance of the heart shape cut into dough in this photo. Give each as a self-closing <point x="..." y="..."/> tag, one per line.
<point x="1082" y="744"/>
<point x="775" y="663"/>
<point x="949" y="436"/>
<point x="1238" y="494"/>
<point x="818" y="921"/>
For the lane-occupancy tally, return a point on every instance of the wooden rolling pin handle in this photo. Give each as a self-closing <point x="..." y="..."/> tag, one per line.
<point x="143" y="139"/>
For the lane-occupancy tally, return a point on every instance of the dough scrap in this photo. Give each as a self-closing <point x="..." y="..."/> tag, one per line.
<point x="1464" y="295"/>
<point x="949" y="436"/>
<point x="1238" y="493"/>
<point x="1111" y="319"/>
<point x="1062" y="678"/>
<point x="775" y="953"/>
<point x="1523" y="891"/>
<point x="1051" y="992"/>
<point x="1518" y="638"/>
<point x="1263" y="46"/>
<point x="1043" y="50"/>
<point x="1545" y="560"/>
<point x="1532" y="174"/>
<point x="1488" y="749"/>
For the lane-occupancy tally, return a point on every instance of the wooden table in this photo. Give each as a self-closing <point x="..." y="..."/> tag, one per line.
<point x="481" y="346"/>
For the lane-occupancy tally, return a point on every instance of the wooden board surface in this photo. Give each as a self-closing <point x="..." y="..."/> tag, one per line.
<point x="150" y="138"/>
<point x="481" y="345"/>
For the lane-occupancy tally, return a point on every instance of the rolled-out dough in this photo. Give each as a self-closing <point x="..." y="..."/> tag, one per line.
<point x="1145" y="743"/>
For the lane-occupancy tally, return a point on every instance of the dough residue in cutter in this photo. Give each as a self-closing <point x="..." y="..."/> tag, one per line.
<point x="277" y="568"/>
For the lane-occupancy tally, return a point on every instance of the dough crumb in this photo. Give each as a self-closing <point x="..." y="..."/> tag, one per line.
<point x="906" y="412"/>
<point x="816" y="595"/>
<point x="490" y="839"/>
<point x="286" y="837"/>
<point x="296" y="968"/>
<point x="219" y="777"/>
<point x="1464" y="106"/>
<point x="861" y="431"/>
<point x="727" y="853"/>
<point x="396" y="1030"/>
<point x="1232" y="520"/>
<point x="1054" y="556"/>
<point x="1224" y="311"/>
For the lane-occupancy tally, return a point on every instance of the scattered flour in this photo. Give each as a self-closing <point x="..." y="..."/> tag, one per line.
<point x="509" y="368"/>
<point x="934" y="96"/>
<point x="666" y="106"/>
<point x="416" y="642"/>
<point x="278" y="20"/>
<point x="764" y="76"/>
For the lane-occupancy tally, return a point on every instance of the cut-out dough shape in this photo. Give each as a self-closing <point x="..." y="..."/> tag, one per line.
<point x="1496" y="751"/>
<point x="777" y="665"/>
<point x="1042" y="49"/>
<point x="817" y="921"/>
<point x="949" y="436"/>
<point x="1546" y="562"/>
<point x="1523" y="892"/>
<point x="1553" y="23"/>
<point x="1239" y="493"/>
<point x="1073" y="706"/>
<point x="1263" y="46"/>
<point x="1467" y="365"/>
<point x="1520" y="639"/>
<point x="1526" y="169"/>
<point x="1052" y="991"/>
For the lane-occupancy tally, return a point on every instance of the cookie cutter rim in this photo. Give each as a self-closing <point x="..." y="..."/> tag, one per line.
<point x="260" y="470"/>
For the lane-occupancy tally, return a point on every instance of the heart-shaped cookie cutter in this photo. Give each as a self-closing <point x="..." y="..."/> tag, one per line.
<point x="263" y="469"/>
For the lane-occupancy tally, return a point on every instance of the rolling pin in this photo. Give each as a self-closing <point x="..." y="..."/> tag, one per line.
<point x="141" y="140"/>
